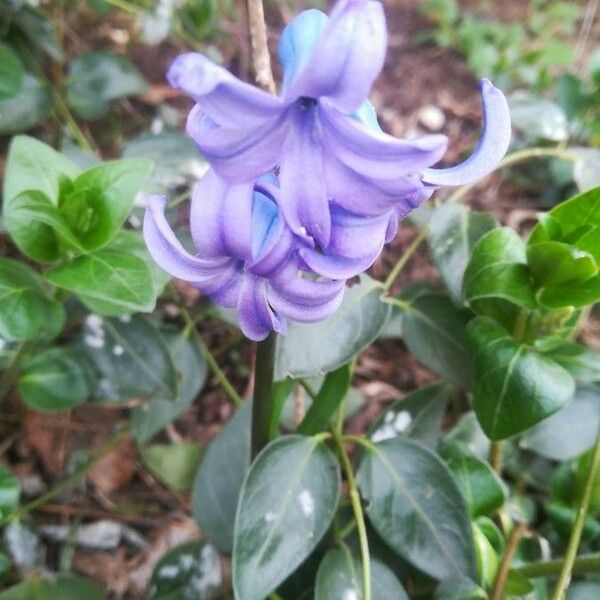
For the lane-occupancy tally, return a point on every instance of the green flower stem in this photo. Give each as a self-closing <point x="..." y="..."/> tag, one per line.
<point x="403" y="260"/>
<point x="515" y="158"/>
<point x="11" y="373"/>
<point x="496" y="456"/>
<point x="587" y="563"/>
<point x="262" y="405"/>
<point x="70" y="481"/>
<point x="567" y="568"/>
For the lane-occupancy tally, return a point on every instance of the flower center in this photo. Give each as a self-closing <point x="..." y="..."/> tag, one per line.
<point x="306" y="103"/>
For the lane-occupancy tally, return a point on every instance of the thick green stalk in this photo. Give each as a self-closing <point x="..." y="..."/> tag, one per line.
<point x="587" y="563"/>
<point x="262" y="405"/>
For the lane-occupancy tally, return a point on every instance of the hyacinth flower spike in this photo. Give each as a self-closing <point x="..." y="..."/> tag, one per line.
<point x="320" y="133"/>
<point x="247" y="257"/>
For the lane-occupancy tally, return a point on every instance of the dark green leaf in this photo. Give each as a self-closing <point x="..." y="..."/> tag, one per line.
<point x="25" y="310"/>
<point x="460" y="588"/>
<point x="101" y="199"/>
<point x="286" y="505"/>
<point x="149" y="418"/>
<point x="330" y="396"/>
<point x="64" y="587"/>
<point x="468" y="435"/>
<point x="219" y="480"/>
<point x="131" y="358"/>
<point x="53" y="380"/>
<point x="318" y="348"/>
<point x="434" y="331"/>
<point x="31" y="106"/>
<point x="174" y="464"/>
<point x="517" y="584"/>
<point x="453" y="231"/>
<point x="340" y="576"/>
<point x="11" y="73"/>
<point x="96" y="78"/>
<point x="109" y="283"/>
<point x="32" y="165"/>
<point x="192" y="570"/>
<point x="10" y="492"/>
<point x="418" y="415"/>
<point x="515" y="387"/>
<point x="415" y="505"/>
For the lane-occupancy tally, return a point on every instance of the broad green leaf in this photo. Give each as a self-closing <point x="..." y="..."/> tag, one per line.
<point x="418" y="415"/>
<point x="11" y="73"/>
<point x="318" y="348"/>
<point x="53" y="380"/>
<point x="130" y="357"/>
<point x="96" y="78"/>
<point x="416" y="507"/>
<point x="460" y="588"/>
<point x="517" y="584"/>
<point x="192" y="570"/>
<point x="487" y="558"/>
<point x="481" y="487"/>
<point x="219" y="480"/>
<point x="433" y="329"/>
<point x="569" y="432"/>
<point x="286" y="505"/>
<point x="468" y="435"/>
<point x="498" y="270"/>
<point x="109" y="283"/>
<point x="31" y="106"/>
<point x="340" y="576"/>
<point x="102" y="198"/>
<point x="581" y="362"/>
<point x="453" y="232"/>
<point x="174" y="464"/>
<point x="149" y="418"/>
<point x="575" y="293"/>
<point x="515" y="387"/>
<point x="33" y="165"/>
<point x="63" y="587"/>
<point x="37" y="227"/>
<point x="330" y="396"/>
<point x="10" y="492"/>
<point x="563" y="518"/>
<point x="26" y="311"/>
<point x="556" y="264"/>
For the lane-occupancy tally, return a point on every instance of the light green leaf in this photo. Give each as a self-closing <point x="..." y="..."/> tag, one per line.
<point x="416" y="507"/>
<point x="286" y="505"/>
<point x="53" y="380"/>
<point x="515" y="387"/>
<point x="31" y="106"/>
<point x="318" y="348"/>
<point x="174" y="464"/>
<point x="581" y="362"/>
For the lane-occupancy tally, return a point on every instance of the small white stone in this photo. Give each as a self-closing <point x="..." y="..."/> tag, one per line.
<point x="94" y="341"/>
<point x="118" y="350"/>
<point x="431" y="117"/>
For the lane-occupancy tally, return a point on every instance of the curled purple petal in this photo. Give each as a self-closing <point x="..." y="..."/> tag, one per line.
<point x="255" y="316"/>
<point x="336" y="267"/>
<point x="491" y="148"/>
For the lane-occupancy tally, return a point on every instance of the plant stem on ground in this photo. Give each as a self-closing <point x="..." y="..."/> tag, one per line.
<point x="262" y="404"/>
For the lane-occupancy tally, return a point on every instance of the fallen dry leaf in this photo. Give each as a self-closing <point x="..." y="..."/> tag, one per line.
<point x="116" y="470"/>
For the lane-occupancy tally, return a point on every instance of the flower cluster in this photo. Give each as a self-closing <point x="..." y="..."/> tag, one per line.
<point x="305" y="188"/>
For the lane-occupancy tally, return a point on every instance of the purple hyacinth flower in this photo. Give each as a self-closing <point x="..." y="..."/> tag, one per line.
<point x="247" y="257"/>
<point x="320" y="134"/>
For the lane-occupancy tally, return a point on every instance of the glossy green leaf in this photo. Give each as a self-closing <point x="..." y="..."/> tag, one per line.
<point x="515" y="387"/>
<point x="102" y="198"/>
<point x="575" y="293"/>
<point x="37" y="227"/>
<point x="453" y="232"/>
<point x="11" y="73"/>
<point x="555" y="263"/>
<point x="63" y="587"/>
<point x="418" y="415"/>
<point x="10" y="492"/>
<point x="109" y="283"/>
<point x="98" y="77"/>
<point x="460" y="588"/>
<point x="152" y="416"/>
<point x="174" y="464"/>
<point x="286" y="505"/>
<point x="192" y="570"/>
<point x="498" y="270"/>
<point x="318" y="348"/>
<point x="487" y="558"/>
<point x="220" y="477"/>
<point x="131" y="358"/>
<point x="340" y="576"/>
<point x="415" y="505"/>
<point x="53" y="380"/>
<point x="33" y="165"/>
<point x="569" y="432"/>
<point x="434" y="331"/>
<point x="28" y="108"/>
<point x="481" y="487"/>
<point x="330" y="396"/>
<point x="26" y="311"/>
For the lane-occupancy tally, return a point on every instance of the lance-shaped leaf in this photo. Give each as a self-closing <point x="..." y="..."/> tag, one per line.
<point x="286" y="505"/>
<point x="415" y="505"/>
<point x="515" y="387"/>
